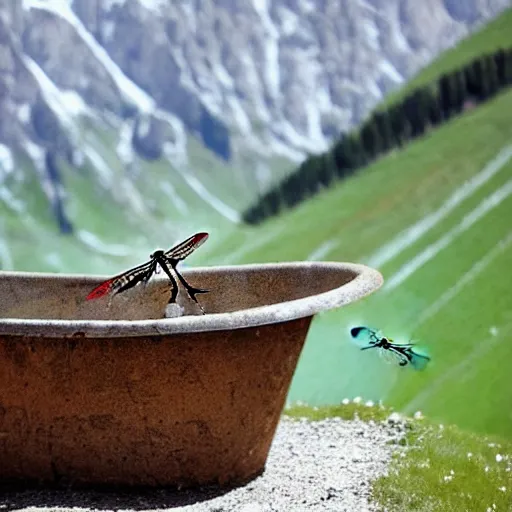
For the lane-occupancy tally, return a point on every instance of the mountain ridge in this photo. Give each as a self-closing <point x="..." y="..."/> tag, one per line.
<point x="196" y="109"/>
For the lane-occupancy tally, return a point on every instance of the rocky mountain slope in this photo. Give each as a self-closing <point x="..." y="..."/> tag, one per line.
<point x="182" y="110"/>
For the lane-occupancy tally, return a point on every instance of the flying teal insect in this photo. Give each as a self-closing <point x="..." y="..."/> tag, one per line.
<point x="403" y="353"/>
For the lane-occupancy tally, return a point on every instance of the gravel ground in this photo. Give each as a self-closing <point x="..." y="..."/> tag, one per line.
<point x="313" y="466"/>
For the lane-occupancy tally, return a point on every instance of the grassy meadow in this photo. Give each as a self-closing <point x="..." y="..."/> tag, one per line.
<point x="434" y="218"/>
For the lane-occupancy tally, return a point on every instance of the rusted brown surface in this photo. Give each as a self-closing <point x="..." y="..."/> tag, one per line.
<point x="183" y="409"/>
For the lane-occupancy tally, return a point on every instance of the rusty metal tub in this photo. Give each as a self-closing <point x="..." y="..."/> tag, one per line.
<point x="119" y="395"/>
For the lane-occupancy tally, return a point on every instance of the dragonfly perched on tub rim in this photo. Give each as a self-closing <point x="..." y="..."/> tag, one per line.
<point x="167" y="261"/>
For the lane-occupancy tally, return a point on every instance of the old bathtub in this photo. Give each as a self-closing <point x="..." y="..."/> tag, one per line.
<point x="95" y="395"/>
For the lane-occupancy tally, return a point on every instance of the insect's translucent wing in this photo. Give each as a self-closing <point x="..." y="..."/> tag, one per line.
<point x="130" y="279"/>
<point x="393" y="357"/>
<point x="364" y="336"/>
<point x="182" y="250"/>
<point x="121" y="282"/>
<point x="419" y="359"/>
<point x="400" y="345"/>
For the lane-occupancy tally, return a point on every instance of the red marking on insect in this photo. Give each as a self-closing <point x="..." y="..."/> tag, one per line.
<point x="199" y="238"/>
<point x="101" y="290"/>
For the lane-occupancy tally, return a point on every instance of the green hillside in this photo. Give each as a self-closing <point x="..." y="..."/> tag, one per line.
<point x="119" y="215"/>
<point x="457" y="299"/>
<point x="494" y="35"/>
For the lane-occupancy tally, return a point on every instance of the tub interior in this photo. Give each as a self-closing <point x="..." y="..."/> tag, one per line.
<point x="62" y="297"/>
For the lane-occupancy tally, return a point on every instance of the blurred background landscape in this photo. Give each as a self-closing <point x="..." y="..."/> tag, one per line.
<point x="368" y="131"/>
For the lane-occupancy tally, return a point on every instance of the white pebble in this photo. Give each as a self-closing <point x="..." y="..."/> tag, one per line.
<point x="173" y="310"/>
<point x="394" y="417"/>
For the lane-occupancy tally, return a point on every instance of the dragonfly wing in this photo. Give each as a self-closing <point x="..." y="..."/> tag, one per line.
<point x="122" y="282"/>
<point x="416" y="357"/>
<point x="364" y="336"/>
<point x="182" y="250"/>
<point x="390" y="355"/>
<point x="419" y="360"/>
<point x="153" y="269"/>
<point x="101" y="290"/>
<point x="131" y="278"/>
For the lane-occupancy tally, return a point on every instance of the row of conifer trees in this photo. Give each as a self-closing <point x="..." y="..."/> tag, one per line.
<point x="422" y="109"/>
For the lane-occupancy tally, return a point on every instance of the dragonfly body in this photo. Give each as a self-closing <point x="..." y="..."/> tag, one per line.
<point x="165" y="260"/>
<point x="404" y="353"/>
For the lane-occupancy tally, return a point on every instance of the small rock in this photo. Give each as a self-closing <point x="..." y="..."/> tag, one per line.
<point x="173" y="310"/>
<point x="394" y="418"/>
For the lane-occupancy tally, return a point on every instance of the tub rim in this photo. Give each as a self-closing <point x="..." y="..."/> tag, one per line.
<point x="366" y="281"/>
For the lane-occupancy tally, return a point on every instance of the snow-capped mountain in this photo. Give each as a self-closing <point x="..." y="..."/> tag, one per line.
<point x="196" y="104"/>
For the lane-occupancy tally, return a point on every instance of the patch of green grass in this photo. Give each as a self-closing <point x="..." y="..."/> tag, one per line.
<point x="89" y="205"/>
<point x="491" y="37"/>
<point x="152" y="181"/>
<point x="235" y="182"/>
<point x="220" y="177"/>
<point x="444" y="468"/>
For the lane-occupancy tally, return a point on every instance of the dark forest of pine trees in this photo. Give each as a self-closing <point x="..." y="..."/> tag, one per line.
<point x="424" y="107"/>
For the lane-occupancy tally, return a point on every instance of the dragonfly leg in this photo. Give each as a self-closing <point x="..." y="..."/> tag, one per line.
<point x="174" y="284"/>
<point x="402" y="354"/>
<point x="192" y="292"/>
<point x="174" y="293"/>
